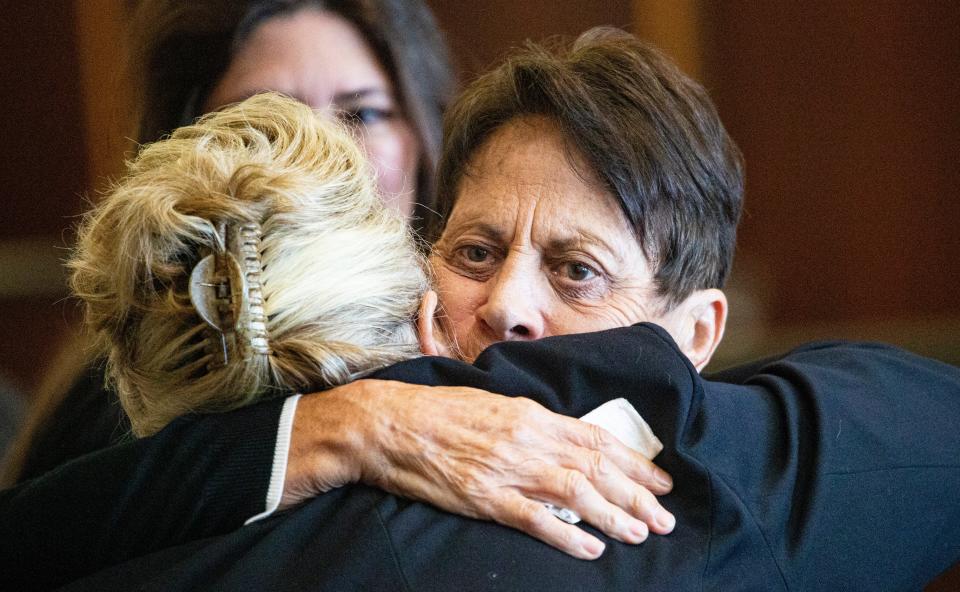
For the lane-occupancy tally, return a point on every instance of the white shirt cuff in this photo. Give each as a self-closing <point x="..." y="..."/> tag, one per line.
<point x="278" y="473"/>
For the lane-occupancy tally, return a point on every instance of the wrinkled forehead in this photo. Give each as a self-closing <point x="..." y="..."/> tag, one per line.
<point x="527" y="140"/>
<point x="527" y="175"/>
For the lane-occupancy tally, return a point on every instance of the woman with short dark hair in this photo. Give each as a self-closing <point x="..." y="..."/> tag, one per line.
<point x="648" y="133"/>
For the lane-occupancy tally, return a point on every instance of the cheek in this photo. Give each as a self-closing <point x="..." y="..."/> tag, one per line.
<point x="569" y="320"/>
<point x="619" y="310"/>
<point x="395" y="155"/>
<point x="460" y="297"/>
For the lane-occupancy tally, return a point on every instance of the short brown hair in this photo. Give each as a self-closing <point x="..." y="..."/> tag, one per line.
<point x="649" y="133"/>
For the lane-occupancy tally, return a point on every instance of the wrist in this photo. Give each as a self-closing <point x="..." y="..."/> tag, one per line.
<point x="331" y="432"/>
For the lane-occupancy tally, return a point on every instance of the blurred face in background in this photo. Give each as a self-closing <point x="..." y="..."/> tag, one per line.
<point x="322" y="60"/>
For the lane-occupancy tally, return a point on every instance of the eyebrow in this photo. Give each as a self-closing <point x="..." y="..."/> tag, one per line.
<point x="353" y="95"/>
<point x="566" y="244"/>
<point x="489" y="231"/>
<point x="555" y="245"/>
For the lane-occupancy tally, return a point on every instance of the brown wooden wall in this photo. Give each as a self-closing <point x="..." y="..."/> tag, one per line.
<point x="847" y="115"/>
<point x="43" y="172"/>
<point x="481" y="32"/>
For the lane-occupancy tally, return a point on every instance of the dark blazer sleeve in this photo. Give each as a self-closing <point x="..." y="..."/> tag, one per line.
<point x="89" y="418"/>
<point x="200" y="476"/>
<point x="834" y="466"/>
<point x="845" y="457"/>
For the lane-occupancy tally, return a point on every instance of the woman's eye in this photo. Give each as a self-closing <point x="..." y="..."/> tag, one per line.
<point x="473" y="261"/>
<point x="476" y="254"/>
<point x="366" y="115"/>
<point x="578" y="272"/>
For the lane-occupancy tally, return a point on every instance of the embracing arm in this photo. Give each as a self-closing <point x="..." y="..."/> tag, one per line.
<point x="473" y="453"/>
<point x="200" y="476"/>
<point x="476" y="454"/>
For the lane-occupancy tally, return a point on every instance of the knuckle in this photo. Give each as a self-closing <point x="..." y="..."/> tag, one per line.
<point x="575" y="484"/>
<point x="599" y="465"/>
<point x="643" y="467"/>
<point x="599" y="437"/>
<point x="499" y="509"/>
<point x="565" y="538"/>
<point x="643" y="502"/>
<point x="532" y="517"/>
<point x="608" y="522"/>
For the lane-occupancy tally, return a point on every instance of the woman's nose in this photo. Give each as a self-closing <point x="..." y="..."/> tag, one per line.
<point x="514" y="306"/>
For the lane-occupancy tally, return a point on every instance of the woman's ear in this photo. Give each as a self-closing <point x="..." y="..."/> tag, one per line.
<point x="704" y="317"/>
<point x="431" y="337"/>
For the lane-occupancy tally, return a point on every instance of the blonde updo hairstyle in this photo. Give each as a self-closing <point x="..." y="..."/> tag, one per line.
<point x="340" y="275"/>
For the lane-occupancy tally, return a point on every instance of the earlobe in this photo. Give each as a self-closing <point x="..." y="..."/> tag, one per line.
<point x="428" y="306"/>
<point x="431" y="338"/>
<point x="708" y="319"/>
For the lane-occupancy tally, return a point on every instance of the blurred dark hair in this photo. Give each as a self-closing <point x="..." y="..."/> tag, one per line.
<point x="181" y="49"/>
<point x="650" y="135"/>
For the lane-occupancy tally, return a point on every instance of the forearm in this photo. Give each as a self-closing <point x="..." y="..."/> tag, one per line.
<point x="477" y="454"/>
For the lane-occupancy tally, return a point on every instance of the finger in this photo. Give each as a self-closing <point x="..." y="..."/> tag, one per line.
<point x="571" y="489"/>
<point x="633" y="464"/>
<point x="533" y="518"/>
<point x="614" y="486"/>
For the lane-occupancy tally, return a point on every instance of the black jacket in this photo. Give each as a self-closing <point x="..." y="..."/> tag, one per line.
<point x="835" y="467"/>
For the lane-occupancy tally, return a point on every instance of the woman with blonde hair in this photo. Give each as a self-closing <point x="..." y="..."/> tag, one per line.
<point x="246" y="256"/>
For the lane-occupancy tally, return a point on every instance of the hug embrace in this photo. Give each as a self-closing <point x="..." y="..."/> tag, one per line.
<point x="585" y="212"/>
